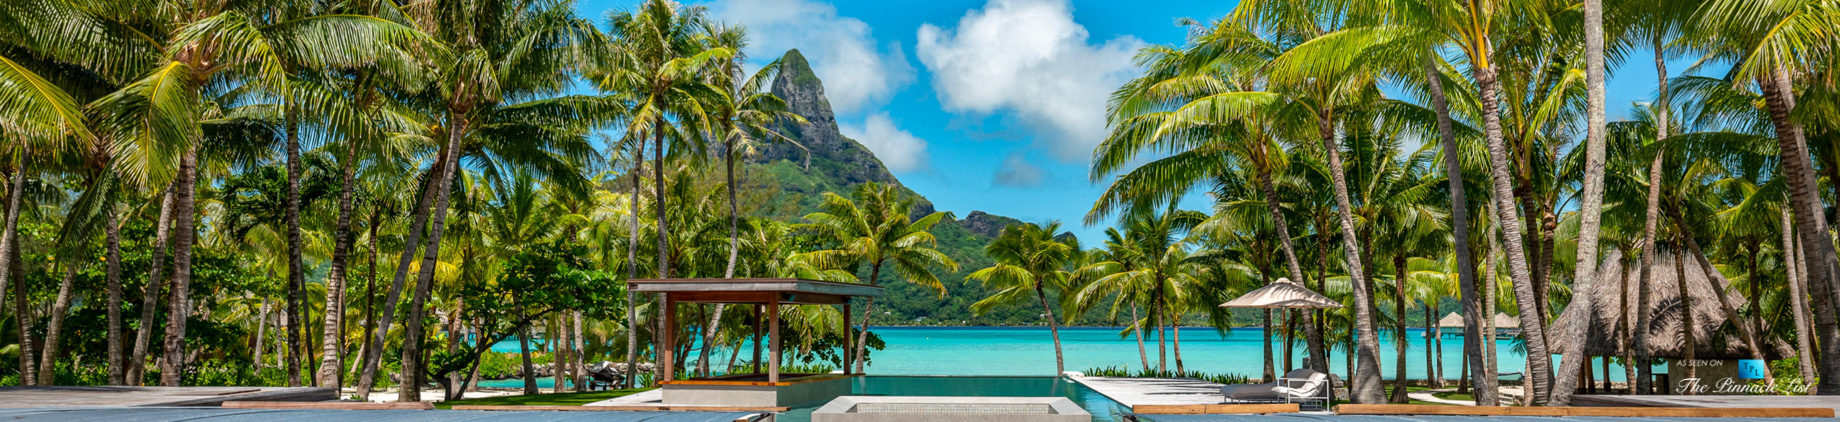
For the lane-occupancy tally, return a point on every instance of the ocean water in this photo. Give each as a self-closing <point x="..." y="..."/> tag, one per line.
<point x="1029" y="351"/>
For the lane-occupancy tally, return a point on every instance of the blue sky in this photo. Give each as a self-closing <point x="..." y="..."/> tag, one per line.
<point x="991" y="105"/>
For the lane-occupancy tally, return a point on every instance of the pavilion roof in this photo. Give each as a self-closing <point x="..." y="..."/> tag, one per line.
<point x="1616" y="280"/>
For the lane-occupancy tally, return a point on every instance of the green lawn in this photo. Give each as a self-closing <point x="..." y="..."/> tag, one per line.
<point x="561" y="399"/>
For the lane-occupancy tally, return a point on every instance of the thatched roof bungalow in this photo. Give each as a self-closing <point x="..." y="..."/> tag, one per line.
<point x="1618" y="281"/>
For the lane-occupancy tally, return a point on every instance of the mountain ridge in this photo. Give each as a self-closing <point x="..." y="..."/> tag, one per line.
<point x="832" y="162"/>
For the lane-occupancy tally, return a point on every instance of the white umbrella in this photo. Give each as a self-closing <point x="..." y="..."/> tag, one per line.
<point x="1282" y="294"/>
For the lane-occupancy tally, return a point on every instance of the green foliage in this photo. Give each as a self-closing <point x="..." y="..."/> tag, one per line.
<point x="1126" y="372"/>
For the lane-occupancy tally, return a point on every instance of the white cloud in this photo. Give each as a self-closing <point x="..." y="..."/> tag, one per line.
<point x="856" y="73"/>
<point x="899" y="150"/>
<point x="1029" y="57"/>
<point x="1017" y="171"/>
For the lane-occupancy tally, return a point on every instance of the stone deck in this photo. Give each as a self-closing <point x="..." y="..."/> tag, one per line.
<point x="1132" y="392"/>
<point x="124" y="396"/>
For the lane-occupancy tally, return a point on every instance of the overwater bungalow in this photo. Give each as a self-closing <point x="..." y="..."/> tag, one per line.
<point x="1716" y="345"/>
<point x="1451" y="326"/>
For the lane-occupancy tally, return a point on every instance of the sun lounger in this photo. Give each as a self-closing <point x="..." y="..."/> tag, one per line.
<point x="1299" y="386"/>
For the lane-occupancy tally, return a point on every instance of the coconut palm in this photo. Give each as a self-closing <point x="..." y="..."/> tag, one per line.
<point x="1591" y="209"/>
<point x="1153" y="267"/>
<point x="1770" y="43"/>
<point x="1174" y="107"/>
<point x="1028" y="258"/>
<point x="745" y="114"/>
<point x="876" y="229"/>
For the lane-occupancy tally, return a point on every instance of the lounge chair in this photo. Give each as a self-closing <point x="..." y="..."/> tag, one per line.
<point x="1299" y="386"/>
<point x="604" y="376"/>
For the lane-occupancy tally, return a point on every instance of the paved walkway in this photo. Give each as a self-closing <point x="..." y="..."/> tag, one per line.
<point x="125" y="396"/>
<point x="1132" y="392"/>
<point x="1431" y="396"/>
<point x="1707" y="401"/>
<point x="653" y="397"/>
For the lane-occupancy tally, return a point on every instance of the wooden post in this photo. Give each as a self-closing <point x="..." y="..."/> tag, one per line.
<point x="668" y="346"/>
<point x="773" y="336"/>
<point x="757" y="327"/>
<point x="849" y="338"/>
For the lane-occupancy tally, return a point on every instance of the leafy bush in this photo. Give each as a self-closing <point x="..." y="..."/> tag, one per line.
<point x="1126" y="372"/>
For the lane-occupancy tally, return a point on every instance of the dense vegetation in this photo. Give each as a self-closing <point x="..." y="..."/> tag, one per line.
<point x="350" y="193"/>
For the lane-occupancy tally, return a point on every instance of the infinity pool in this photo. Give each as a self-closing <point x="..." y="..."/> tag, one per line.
<point x="1102" y="408"/>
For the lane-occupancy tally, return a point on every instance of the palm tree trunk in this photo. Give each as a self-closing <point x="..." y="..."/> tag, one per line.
<point x="150" y="292"/>
<point x="734" y="251"/>
<point x="424" y="281"/>
<point x="1798" y="301"/>
<point x="1687" y="321"/>
<point x="370" y="289"/>
<point x="1808" y="215"/>
<point x="1539" y="362"/>
<point x="530" y="370"/>
<point x="374" y="356"/>
<point x="112" y="271"/>
<point x="22" y="317"/>
<point x="1643" y="384"/>
<point x="1175" y="327"/>
<point x="862" y="340"/>
<point x="8" y="239"/>
<point x="291" y="216"/>
<point x="664" y="254"/>
<point x="1365" y="386"/>
<point x="577" y="373"/>
<point x="1313" y="335"/>
<point x="1400" y="340"/>
<point x="558" y="351"/>
<point x="632" y="269"/>
<point x="1137" y="330"/>
<point x="333" y="343"/>
<point x="1577" y="314"/>
<point x="261" y="334"/>
<point x="1271" y="371"/>
<point x="1431" y="358"/>
<point x="1060" y="362"/>
<point x="1162" y="337"/>
<point x="179" y="300"/>
<point x="1719" y="287"/>
<point x="54" y="333"/>
<point x="1625" y="323"/>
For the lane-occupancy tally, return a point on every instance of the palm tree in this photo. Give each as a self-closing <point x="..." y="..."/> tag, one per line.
<point x="475" y="103"/>
<point x="1028" y="258"/>
<point x="1590" y="212"/>
<point x="1173" y="107"/>
<point x="179" y="53"/>
<point x="745" y="114"/>
<point x="1771" y="44"/>
<point x="1154" y="270"/>
<point x="37" y="113"/>
<point x="876" y="229"/>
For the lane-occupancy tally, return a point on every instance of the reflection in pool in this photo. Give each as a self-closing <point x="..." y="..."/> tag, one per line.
<point x="1102" y="408"/>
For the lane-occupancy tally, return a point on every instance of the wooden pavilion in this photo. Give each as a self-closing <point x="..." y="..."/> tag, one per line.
<point x="769" y="388"/>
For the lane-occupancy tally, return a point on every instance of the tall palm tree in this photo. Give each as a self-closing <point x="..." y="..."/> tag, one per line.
<point x="877" y="229"/>
<point x="1174" y="107"/>
<point x="1590" y="212"/>
<point x="1028" y="258"/>
<point x="1771" y="42"/>
<point x="745" y="114"/>
<point x="174" y="55"/>
<point x="1155" y="268"/>
<point x="489" y="90"/>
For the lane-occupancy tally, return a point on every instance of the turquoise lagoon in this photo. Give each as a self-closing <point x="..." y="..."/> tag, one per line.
<point x="1029" y="351"/>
